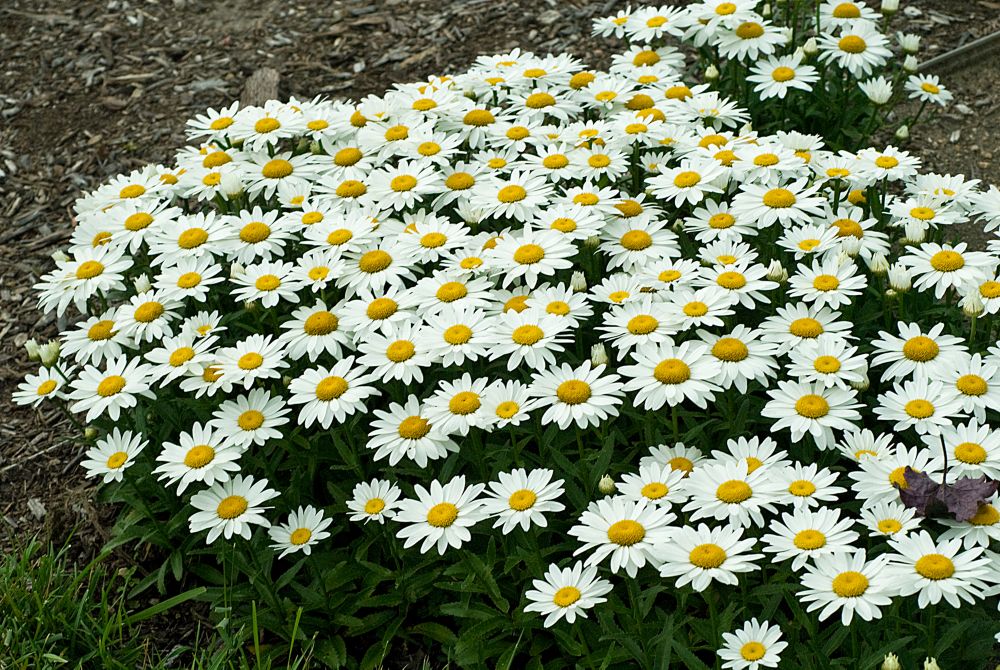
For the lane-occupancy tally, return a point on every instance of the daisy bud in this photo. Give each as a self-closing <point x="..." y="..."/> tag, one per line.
<point x="931" y="664"/>
<point x="711" y="73"/>
<point x="598" y="355"/>
<point x="900" y="278"/>
<point x="878" y="90"/>
<point x="90" y="432"/>
<point x="251" y="306"/>
<point x="903" y="132"/>
<point x="890" y="294"/>
<point x="49" y="353"/>
<point x="843" y="258"/>
<point x="862" y="384"/>
<point x="879" y="264"/>
<point x="592" y="242"/>
<point x="891" y="661"/>
<point x="765" y="11"/>
<point x="972" y="305"/>
<point x="775" y="272"/>
<point x="32" y="348"/>
<point x="286" y="380"/>
<point x="810" y="48"/>
<point x="232" y="185"/>
<point x="315" y="148"/>
<point x="890" y="7"/>
<point x="677" y="227"/>
<point x="787" y="34"/>
<point x="914" y="232"/>
<point x="909" y="42"/>
<point x="606" y="485"/>
<point x="60" y="256"/>
<point x="850" y="245"/>
<point x="911" y="64"/>
<point x="142" y="283"/>
<point x="236" y="270"/>
<point x="578" y="282"/>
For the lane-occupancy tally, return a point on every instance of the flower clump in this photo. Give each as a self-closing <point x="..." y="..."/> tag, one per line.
<point x="467" y="299"/>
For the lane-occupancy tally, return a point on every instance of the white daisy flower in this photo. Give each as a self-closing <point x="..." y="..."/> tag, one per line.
<point x="812" y="408"/>
<point x="566" y="593"/>
<point x="376" y="500"/>
<point x="330" y="395"/>
<point x="756" y="645"/>
<point x="201" y="454"/>
<point x="440" y="516"/>
<point x="231" y="507"/>
<point x="251" y="419"/>
<point x="806" y="535"/>
<point x="632" y="533"/>
<point x="117" y="387"/>
<point x="404" y="431"/>
<point x="938" y="570"/>
<point x="585" y="396"/>
<point x="702" y="555"/>
<point x="521" y="498"/>
<point x="112" y="454"/>
<point x="305" y="527"/>
<point x="730" y="492"/>
<point x="849" y="583"/>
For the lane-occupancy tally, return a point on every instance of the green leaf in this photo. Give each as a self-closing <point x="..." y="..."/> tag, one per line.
<point x="164" y="605"/>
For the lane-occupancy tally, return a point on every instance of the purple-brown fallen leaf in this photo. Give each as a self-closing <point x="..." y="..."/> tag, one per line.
<point x="964" y="497"/>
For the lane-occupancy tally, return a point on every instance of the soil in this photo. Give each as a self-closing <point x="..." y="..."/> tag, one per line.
<point x="90" y="89"/>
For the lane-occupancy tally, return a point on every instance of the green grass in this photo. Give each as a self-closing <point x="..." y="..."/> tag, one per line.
<point x="55" y="614"/>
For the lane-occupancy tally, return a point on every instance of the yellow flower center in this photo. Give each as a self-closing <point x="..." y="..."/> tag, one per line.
<point x="254" y="232"/>
<point x="971" y="453"/>
<point x="319" y="272"/>
<point x="782" y="74"/>
<point x="935" y="566"/>
<point x="429" y="149"/>
<point x="920" y="409"/>
<point x="191" y="238"/>
<point x="573" y="392"/>
<point x="138" y="221"/>
<point x="846" y="10"/>
<point x="752" y="651"/>
<point x="765" y="160"/>
<point x="636" y="240"/>
<point x="116" y="460"/>
<point x="563" y="225"/>
<point x="806" y="327"/>
<point x="812" y="406"/>
<point x="527" y="335"/>
<point x="555" y="161"/>
<point x="696" y="308"/>
<point x="458" y="334"/>
<point x="852" y="44"/>
<point x="847" y="227"/>
<point x="725" y="9"/>
<point x="586" y="199"/>
<point x="973" y="385"/>
<point x="522" y="500"/>
<point x="89" y="270"/>
<point x="276" y="168"/>
<point x="779" y="198"/>
<point x="331" y="388"/>
<point x="733" y="492"/>
<point x="826" y="364"/>
<point x="928" y="87"/>
<point x="250" y="361"/>
<point x="459" y="181"/>
<point x="442" y="515"/>
<point x="397" y="133"/>
<point x="922" y="213"/>
<point x="221" y="123"/>
<point x="399" y="351"/>
<point x="374" y="506"/>
<point x="188" y="280"/>
<point x="266" y="125"/>
<point x="267" y="282"/>
<point x="672" y="371"/>
<point x="599" y="161"/>
<point x="478" y="117"/>
<point x="655" y="490"/>
<point x="803" y="488"/>
<point x="681" y="463"/>
<point x="686" y="179"/>
<point x="351" y="188"/>
<point x="46" y="387"/>
<point x="731" y="280"/>
<point x="986" y="515"/>
<point x="849" y="584"/>
<point x="102" y="330"/>
<point x="626" y="532"/>
<point x="566" y="596"/>
<point x="414" y="428"/>
<point x="886" y="162"/>
<point x="539" y="100"/>
<point x="990" y="290"/>
<point x="721" y="221"/>
<point x="451" y="291"/>
<point x="181" y="356"/>
<point x="646" y="57"/>
<point x="808" y="540"/>
<point x="947" y="261"/>
<point x="730" y="349"/>
<point x="707" y="556"/>
<point x="374" y="261"/>
<point x="507" y="409"/>
<point x="300" y="536"/>
<point x="464" y="402"/>
<point x="339" y="237"/>
<point x="199" y="456"/>
<point x="642" y="324"/>
<point x="528" y="254"/>
<point x="232" y="506"/>
<point x="898" y="477"/>
<point x="511" y="193"/>
<point x="890" y="526"/>
<point x="920" y="348"/>
<point x="403" y="182"/>
<point x="749" y="30"/>
<point x="347" y="156"/>
<point x="668" y="276"/>
<point x="132" y="191"/>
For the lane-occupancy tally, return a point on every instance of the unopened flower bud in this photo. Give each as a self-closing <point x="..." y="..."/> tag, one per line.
<point x="903" y="132"/>
<point x="843" y="258"/>
<point x="606" y="485"/>
<point x="775" y="272"/>
<point x="49" y="353"/>
<point x="711" y="73"/>
<point x="850" y="245"/>
<point x="578" y="282"/>
<point x="890" y="294"/>
<point x="931" y="664"/>
<point x="142" y="283"/>
<point x="900" y="278"/>
<point x="236" y="270"/>
<point x="972" y="304"/>
<point x="765" y="11"/>
<point x="251" y="306"/>
<point x="909" y="42"/>
<point x="592" y="242"/>
<point x="890" y="7"/>
<point x="911" y="64"/>
<point x="598" y="355"/>
<point x="315" y="148"/>
<point x="90" y="432"/>
<point x="677" y="227"/>
<point x="60" y="256"/>
<point x="891" y="661"/>
<point x="914" y="232"/>
<point x="863" y="383"/>
<point x="810" y="47"/>
<point x="879" y="264"/>
<point x="787" y="34"/>
<point x="31" y="346"/>
<point x="286" y="380"/>
<point x="231" y="185"/>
